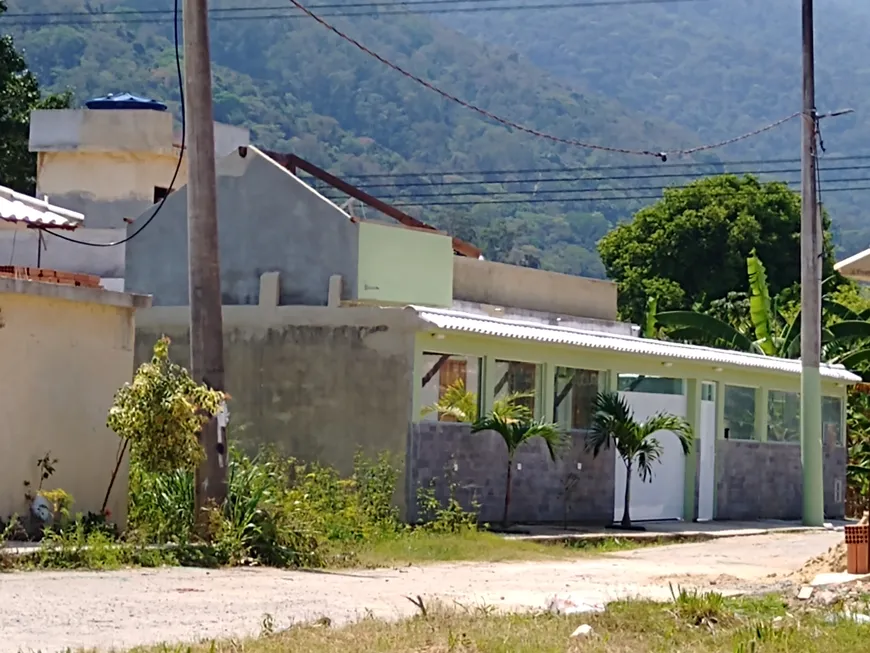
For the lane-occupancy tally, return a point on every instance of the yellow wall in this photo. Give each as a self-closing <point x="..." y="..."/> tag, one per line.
<point x="107" y="176"/>
<point x="61" y="363"/>
<point x="398" y="265"/>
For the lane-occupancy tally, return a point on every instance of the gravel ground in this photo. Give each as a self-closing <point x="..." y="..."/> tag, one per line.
<point x="54" y="611"/>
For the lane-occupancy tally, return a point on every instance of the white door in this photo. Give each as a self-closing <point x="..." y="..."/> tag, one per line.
<point x="662" y="498"/>
<point x="707" y="461"/>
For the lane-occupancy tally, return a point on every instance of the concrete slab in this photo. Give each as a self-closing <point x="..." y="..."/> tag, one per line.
<point x="823" y="580"/>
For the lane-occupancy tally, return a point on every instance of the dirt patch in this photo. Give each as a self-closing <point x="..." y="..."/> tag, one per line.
<point x="832" y="561"/>
<point x="724" y="581"/>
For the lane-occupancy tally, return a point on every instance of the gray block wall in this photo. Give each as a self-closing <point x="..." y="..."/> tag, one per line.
<point x="268" y="220"/>
<point x="760" y="480"/>
<point x="541" y="492"/>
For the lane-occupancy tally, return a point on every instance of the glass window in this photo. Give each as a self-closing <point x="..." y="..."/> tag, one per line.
<point x="739" y="413"/>
<point x="657" y="385"/>
<point x="451" y="387"/>
<point x="832" y="426"/>
<point x="514" y="377"/>
<point x="783" y="416"/>
<point x="575" y="392"/>
<point x="708" y="391"/>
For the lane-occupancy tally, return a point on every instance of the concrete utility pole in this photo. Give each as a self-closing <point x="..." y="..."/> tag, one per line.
<point x="206" y="322"/>
<point x="811" y="293"/>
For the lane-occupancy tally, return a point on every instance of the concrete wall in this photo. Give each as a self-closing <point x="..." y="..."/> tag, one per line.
<point x="760" y="480"/>
<point x="106" y="164"/>
<point x="268" y="221"/>
<point x="66" y="351"/>
<point x="316" y="382"/>
<point x="542" y="491"/>
<point x="18" y="246"/>
<point x="500" y="284"/>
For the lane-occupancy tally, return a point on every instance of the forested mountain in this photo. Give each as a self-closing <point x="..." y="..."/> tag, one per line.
<point x="660" y="76"/>
<point x="300" y="88"/>
<point x="718" y="67"/>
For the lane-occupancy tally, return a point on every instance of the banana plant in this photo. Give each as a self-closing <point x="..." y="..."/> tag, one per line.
<point x="772" y="333"/>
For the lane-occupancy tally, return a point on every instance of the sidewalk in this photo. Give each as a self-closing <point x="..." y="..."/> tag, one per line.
<point x="667" y="531"/>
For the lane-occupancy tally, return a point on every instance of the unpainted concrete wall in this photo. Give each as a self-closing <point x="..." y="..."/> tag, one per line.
<point x="66" y="351"/>
<point x="541" y="492"/>
<point x="761" y="480"/>
<point x="19" y="246"/>
<point x="317" y="383"/>
<point x="500" y="284"/>
<point x="268" y="220"/>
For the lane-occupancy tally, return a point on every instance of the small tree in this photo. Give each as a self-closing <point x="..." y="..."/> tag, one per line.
<point x="160" y="415"/>
<point x="461" y="404"/>
<point x="635" y="441"/>
<point x="515" y="424"/>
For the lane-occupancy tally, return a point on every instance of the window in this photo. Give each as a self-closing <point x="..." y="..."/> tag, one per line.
<point x="708" y="392"/>
<point x="832" y="426"/>
<point x="160" y="193"/>
<point x="450" y="388"/>
<point x="575" y="392"/>
<point x="657" y="385"/>
<point x="783" y="416"/>
<point x="512" y="377"/>
<point x="739" y="413"/>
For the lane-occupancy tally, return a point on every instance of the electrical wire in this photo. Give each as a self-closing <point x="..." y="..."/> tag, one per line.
<point x="558" y="191"/>
<point x="545" y="180"/>
<point x="662" y="155"/>
<point x="646" y="166"/>
<point x="362" y="9"/>
<point x="169" y="190"/>
<point x="571" y="200"/>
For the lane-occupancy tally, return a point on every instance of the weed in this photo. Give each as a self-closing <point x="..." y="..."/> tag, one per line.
<point x="698" y="608"/>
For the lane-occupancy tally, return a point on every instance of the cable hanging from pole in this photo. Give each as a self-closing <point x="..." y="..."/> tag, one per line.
<point x="661" y="155"/>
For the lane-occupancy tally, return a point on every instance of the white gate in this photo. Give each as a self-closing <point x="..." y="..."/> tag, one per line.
<point x="707" y="461"/>
<point x="663" y="497"/>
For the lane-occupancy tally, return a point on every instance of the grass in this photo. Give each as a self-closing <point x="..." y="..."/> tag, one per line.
<point x="691" y="623"/>
<point x="479" y="546"/>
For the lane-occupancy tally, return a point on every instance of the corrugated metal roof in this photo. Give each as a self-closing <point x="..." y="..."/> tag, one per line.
<point x="520" y="330"/>
<point x="15" y="207"/>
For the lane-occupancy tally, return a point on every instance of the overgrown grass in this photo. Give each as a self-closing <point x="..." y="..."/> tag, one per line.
<point x="691" y="623"/>
<point x="281" y="513"/>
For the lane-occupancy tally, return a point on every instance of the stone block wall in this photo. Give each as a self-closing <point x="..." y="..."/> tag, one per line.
<point x="542" y="491"/>
<point x="761" y="480"/>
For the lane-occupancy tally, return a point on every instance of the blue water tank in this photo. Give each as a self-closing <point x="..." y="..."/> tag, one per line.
<point x="125" y="101"/>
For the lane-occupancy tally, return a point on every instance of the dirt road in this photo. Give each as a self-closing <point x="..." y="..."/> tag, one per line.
<point x="53" y="611"/>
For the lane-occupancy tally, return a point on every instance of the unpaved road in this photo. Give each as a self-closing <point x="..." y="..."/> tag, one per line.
<point x="53" y="611"/>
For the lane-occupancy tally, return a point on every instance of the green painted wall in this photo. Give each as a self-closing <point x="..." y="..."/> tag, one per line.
<point x="403" y="266"/>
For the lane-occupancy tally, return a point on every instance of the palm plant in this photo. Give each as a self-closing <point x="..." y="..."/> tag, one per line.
<point x="769" y="331"/>
<point x="516" y="425"/>
<point x="461" y="404"/>
<point x="613" y="422"/>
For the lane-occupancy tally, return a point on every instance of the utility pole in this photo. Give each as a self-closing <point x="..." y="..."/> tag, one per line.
<point x="811" y="292"/>
<point x="206" y="322"/>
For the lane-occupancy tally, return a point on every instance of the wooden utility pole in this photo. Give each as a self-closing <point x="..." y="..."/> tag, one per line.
<point x="811" y="292"/>
<point x="206" y="322"/>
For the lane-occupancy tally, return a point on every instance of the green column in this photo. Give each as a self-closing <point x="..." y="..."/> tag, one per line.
<point x="811" y="446"/>
<point x="693" y="417"/>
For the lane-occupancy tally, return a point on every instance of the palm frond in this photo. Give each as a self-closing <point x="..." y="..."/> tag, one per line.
<point x="666" y="422"/>
<point x="648" y="453"/>
<point x="760" y="305"/>
<point x="850" y="329"/>
<point x="713" y="328"/>
<point x="459" y="403"/>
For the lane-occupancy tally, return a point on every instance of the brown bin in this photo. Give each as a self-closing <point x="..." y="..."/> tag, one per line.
<point x="858" y="549"/>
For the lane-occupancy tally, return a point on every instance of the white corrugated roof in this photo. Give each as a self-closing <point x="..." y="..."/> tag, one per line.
<point x="520" y="330"/>
<point x="15" y="207"/>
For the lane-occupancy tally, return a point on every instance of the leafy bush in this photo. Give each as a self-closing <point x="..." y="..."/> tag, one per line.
<point x="161" y="413"/>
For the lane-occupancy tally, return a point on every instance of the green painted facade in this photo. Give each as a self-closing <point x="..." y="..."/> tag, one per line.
<point x="403" y="266"/>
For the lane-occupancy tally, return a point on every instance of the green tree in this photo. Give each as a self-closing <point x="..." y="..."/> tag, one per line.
<point x="691" y="247"/>
<point x="516" y="425"/>
<point x="461" y="404"/>
<point x="19" y="95"/>
<point x="614" y="423"/>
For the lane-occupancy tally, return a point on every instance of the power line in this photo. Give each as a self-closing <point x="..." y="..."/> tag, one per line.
<point x="544" y="180"/>
<point x="557" y="191"/>
<point x="534" y="132"/>
<point x="158" y="208"/>
<point x="362" y="9"/>
<point x="570" y="200"/>
<point x="647" y="166"/>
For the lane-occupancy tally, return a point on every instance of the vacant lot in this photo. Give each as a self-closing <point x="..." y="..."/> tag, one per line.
<point x="51" y="611"/>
